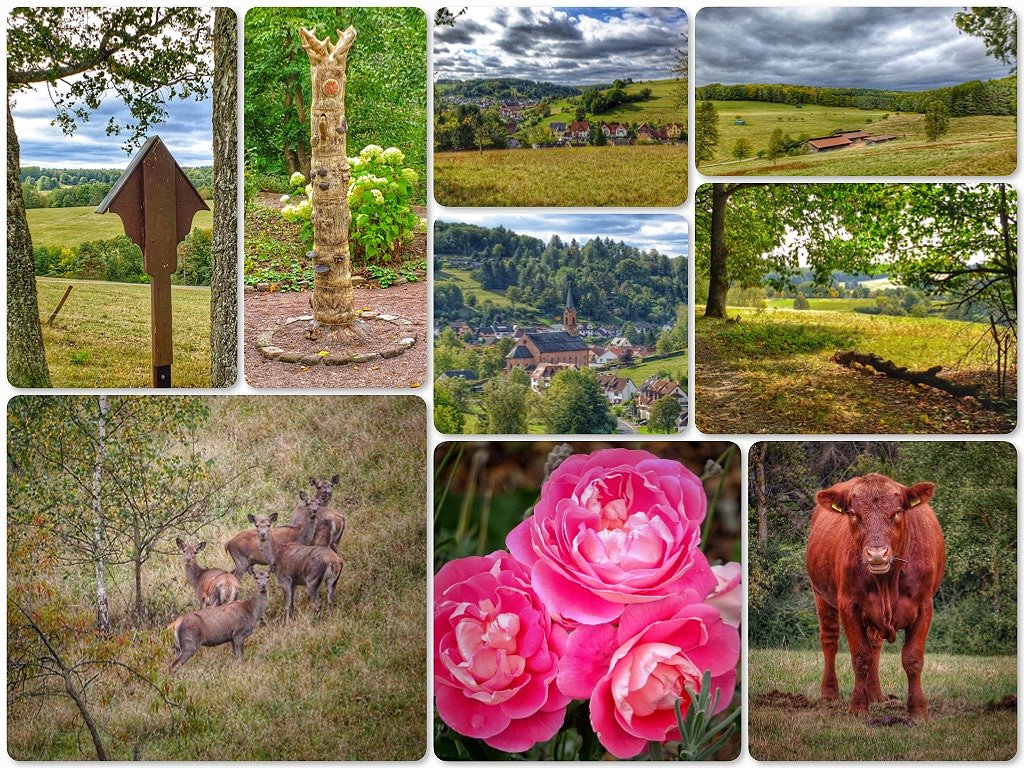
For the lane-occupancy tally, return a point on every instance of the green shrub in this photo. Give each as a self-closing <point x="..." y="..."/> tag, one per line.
<point x="195" y="254"/>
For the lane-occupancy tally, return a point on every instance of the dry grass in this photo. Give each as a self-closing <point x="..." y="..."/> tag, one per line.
<point x="347" y="686"/>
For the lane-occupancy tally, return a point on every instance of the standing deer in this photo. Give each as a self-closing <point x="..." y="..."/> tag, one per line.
<point x="245" y="550"/>
<point x="302" y="564"/>
<point x="331" y="525"/>
<point x="219" y="624"/>
<point x="212" y="586"/>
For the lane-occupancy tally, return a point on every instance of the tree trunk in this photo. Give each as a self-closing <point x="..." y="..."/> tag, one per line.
<point x="139" y="609"/>
<point x="26" y="358"/>
<point x="333" y="299"/>
<point x="99" y="544"/>
<point x="761" y="493"/>
<point x="224" y="277"/>
<point x="83" y="710"/>
<point x="718" y="289"/>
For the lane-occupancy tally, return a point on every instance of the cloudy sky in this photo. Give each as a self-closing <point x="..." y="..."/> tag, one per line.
<point x="188" y="133"/>
<point x="570" y="46"/>
<point x="888" y="48"/>
<point x="663" y="232"/>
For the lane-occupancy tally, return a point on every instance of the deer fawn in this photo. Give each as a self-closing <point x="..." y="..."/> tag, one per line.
<point x="330" y="525"/>
<point x="219" y="624"/>
<point x="299" y="563"/>
<point x="212" y="586"/>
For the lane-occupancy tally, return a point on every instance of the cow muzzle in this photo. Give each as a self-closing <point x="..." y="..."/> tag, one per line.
<point x="878" y="559"/>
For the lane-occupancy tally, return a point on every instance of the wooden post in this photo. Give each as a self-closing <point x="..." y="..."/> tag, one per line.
<point x="60" y="304"/>
<point x="333" y="301"/>
<point x="156" y="203"/>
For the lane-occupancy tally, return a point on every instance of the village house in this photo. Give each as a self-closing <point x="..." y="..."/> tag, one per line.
<point x="540" y="378"/>
<point x="652" y="390"/>
<point x="645" y="133"/>
<point x="675" y="131"/>
<point x="614" y="131"/>
<point x="565" y="346"/>
<point x="616" y="389"/>
<point x="558" y="129"/>
<point x="838" y="140"/>
<point x="620" y="342"/>
<point x="579" y="130"/>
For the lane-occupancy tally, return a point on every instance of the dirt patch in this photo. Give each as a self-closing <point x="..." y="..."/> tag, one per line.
<point x="266" y="311"/>
<point x="784" y="700"/>
<point x="1007" y="703"/>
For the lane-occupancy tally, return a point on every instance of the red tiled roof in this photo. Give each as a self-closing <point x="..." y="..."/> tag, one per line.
<point x="831" y="141"/>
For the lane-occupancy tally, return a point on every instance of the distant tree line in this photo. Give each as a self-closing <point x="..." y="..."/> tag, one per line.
<point x="504" y="89"/>
<point x="991" y="97"/>
<point x="611" y="281"/>
<point x="77" y="187"/>
<point x="595" y="101"/>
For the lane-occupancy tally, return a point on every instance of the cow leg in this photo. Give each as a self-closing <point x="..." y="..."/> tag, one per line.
<point x="860" y="655"/>
<point x="874" y="682"/>
<point x="828" y="634"/>
<point x="913" y="660"/>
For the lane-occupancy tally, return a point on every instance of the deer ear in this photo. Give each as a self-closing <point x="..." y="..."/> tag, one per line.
<point x="180" y="543"/>
<point x="303" y="496"/>
<point x="921" y="493"/>
<point x="335" y="479"/>
<point x="202" y="545"/>
<point x="831" y="499"/>
<point x="273" y="518"/>
<point x="251" y="519"/>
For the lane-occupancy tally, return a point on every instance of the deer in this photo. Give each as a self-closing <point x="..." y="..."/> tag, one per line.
<point x="212" y="586"/>
<point x="244" y="548"/>
<point x="331" y="525"/>
<point x="219" y="624"/>
<point x="299" y="563"/>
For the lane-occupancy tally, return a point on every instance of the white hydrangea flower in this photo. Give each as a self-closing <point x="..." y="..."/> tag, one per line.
<point x="410" y="175"/>
<point x="308" y="190"/>
<point x="285" y="198"/>
<point x="371" y="152"/>
<point x="297" y="179"/>
<point x="393" y="156"/>
<point x="377" y="195"/>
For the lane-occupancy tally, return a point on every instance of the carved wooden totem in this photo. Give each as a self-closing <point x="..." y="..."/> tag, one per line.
<point x="332" y="299"/>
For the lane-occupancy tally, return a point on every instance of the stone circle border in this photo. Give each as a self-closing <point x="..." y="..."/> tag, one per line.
<point x="267" y="348"/>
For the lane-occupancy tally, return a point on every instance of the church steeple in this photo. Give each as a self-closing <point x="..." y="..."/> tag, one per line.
<point x="569" y="313"/>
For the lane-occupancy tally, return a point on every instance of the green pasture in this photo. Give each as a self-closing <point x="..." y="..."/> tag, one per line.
<point x="70" y="226"/>
<point x="469" y="286"/>
<point x="660" y="109"/>
<point x="974" y="146"/>
<point x="971" y="715"/>
<point x="677" y="368"/>
<point x="828" y="305"/>
<point x="101" y="338"/>
<point x="640" y="175"/>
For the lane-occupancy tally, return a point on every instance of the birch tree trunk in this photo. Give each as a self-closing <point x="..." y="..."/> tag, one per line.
<point x="99" y="543"/>
<point x="26" y="359"/>
<point x="224" y="280"/>
<point x="332" y="299"/>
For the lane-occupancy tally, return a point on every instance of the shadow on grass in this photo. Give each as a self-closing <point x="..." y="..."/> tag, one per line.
<point x="762" y="338"/>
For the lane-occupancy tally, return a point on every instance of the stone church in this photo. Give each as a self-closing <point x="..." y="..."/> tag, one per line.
<point x="563" y="347"/>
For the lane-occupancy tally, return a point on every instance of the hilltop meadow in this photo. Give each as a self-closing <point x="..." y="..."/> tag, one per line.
<point x="344" y="685"/>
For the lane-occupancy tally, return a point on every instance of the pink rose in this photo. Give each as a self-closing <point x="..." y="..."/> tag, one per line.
<point x="611" y="529"/>
<point x="633" y="674"/>
<point x="727" y="596"/>
<point x="496" y="654"/>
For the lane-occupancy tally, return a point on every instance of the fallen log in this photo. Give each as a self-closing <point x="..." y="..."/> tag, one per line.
<point x="866" y="363"/>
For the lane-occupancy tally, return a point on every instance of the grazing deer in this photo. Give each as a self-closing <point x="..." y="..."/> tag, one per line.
<point x="245" y="550"/>
<point x="212" y="586"/>
<point x="299" y="563"/>
<point x="219" y="624"/>
<point x="331" y="525"/>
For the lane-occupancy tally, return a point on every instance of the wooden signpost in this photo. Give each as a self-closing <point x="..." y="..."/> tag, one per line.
<point x="156" y="203"/>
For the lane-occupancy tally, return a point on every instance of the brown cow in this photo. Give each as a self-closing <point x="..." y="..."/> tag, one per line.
<point x="875" y="557"/>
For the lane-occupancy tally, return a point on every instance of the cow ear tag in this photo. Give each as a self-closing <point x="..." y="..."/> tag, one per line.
<point x="914" y="502"/>
<point x="836" y="507"/>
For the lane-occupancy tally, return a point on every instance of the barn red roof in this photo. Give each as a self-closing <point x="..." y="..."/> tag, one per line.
<point x="828" y="143"/>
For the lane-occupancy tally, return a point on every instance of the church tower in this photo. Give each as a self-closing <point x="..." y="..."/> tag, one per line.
<point x="569" y="313"/>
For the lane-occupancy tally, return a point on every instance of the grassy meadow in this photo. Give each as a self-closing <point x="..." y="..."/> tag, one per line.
<point x="966" y="695"/>
<point x="639" y="175"/>
<point x="70" y="226"/>
<point x="660" y="109"/>
<point x="349" y="685"/>
<point x="676" y="366"/>
<point x="974" y="146"/>
<point x="769" y="371"/>
<point x="469" y="286"/>
<point x="101" y="338"/>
